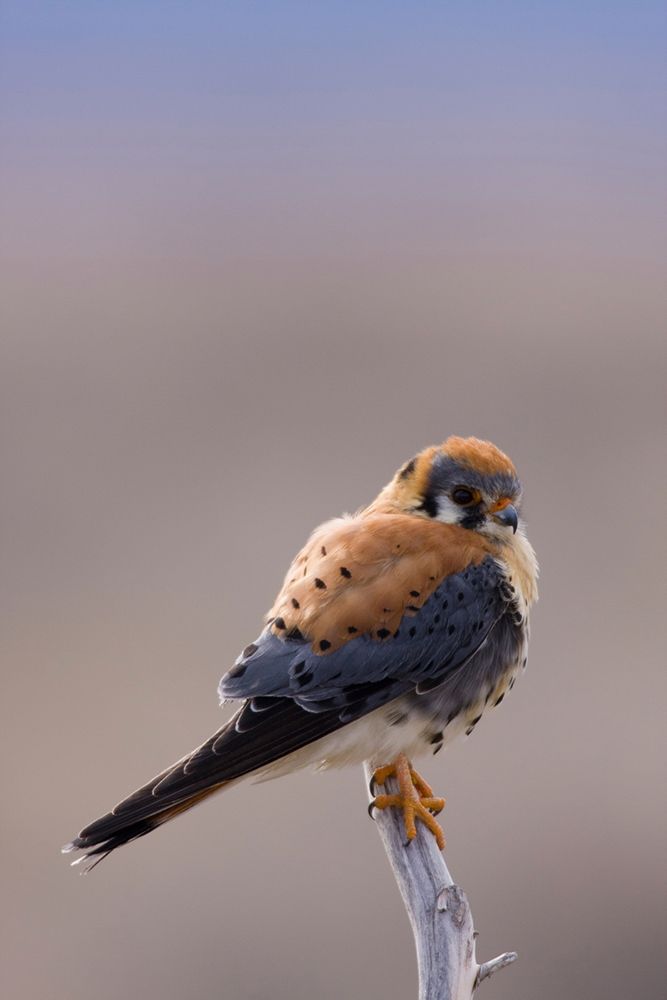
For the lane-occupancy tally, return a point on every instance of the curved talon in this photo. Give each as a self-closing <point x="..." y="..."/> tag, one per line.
<point x="380" y="774"/>
<point x="415" y="798"/>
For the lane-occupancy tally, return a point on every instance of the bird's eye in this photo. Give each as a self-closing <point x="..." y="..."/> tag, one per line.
<point x="462" y="496"/>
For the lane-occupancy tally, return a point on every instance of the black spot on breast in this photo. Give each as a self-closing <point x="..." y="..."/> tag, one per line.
<point x="320" y="584"/>
<point x="324" y="644"/>
<point x="445" y="605"/>
<point x="344" y="571"/>
<point x="451" y="630"/>
<point x="437" y="737"/>
<point x="498" y="700"/>
<point x="436" y="619"/>
<point x="413" y="632"/>
<point x="460" y="595"/>
<point x="279" y="623"/>
<point x="249" y="650"/>
<point x="323" y="550"/>
<point x="294" y="633"/>
<point x="295" y="603"/>
<point x="430" y="630"/>
<point x="397" y="718"/>
<point x="382" y="633"/>
<point x="411" y="607"/>
<point x="472" y="725"/>
<point x="298" y="667"/>
<point x="414" y="593"/>
<point x="352" y="629"/>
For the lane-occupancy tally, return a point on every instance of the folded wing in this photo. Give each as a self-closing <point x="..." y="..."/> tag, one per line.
<point x="376" y="614"/>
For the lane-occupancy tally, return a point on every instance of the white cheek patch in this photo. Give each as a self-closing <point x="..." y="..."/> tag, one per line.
<point x="448" y="511"/>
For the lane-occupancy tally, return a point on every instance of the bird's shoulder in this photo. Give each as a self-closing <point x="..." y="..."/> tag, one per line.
<point x="361" y="574"/>
<point x="395" y="620"/>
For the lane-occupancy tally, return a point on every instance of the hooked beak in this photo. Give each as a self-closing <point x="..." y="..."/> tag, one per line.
<point x="506" y="513"/>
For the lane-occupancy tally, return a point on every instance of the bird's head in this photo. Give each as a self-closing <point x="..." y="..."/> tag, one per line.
<point x="464" y="481"/>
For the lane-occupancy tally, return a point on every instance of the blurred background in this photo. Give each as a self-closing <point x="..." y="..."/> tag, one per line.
<point x="254" y="257"/>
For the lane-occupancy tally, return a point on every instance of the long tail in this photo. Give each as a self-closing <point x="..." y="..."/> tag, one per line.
<point x="262" y="731"/>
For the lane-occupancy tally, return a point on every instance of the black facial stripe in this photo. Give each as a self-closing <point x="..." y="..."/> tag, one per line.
<point x="473" y="517"/>
<point x="429" y="504"/>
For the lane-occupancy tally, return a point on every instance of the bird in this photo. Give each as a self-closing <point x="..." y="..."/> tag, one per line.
<point x="395" y="629"/>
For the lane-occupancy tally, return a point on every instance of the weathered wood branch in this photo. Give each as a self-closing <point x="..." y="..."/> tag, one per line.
<point x="438" y="910"/>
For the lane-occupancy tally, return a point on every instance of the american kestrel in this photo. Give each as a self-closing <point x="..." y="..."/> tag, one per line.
<point x="394" y="630"/>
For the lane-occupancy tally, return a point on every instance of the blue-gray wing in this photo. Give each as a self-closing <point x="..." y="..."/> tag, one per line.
<point x="366" y="672"/>
<point x="294" y="696"/>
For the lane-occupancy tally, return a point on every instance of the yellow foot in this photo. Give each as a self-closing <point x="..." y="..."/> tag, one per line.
<point x="415" y="798"/>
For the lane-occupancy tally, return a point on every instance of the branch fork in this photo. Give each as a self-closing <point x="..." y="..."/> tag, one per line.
<point x="438" y="910"/>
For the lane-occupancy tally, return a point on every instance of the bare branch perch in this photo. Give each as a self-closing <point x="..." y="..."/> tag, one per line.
<point x="438" y="910"/>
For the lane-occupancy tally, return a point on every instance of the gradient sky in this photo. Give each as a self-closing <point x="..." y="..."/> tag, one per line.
<point x="252" y="258"/>
<point x="447" y="108"/>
